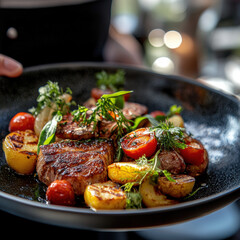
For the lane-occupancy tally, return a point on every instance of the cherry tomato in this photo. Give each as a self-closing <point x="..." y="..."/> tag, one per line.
<point x="60" y="192"/>
<point x="138" y="143"/>
<point x="96" y="93"/>
<point x="22" y="121"/>
<point x="157" y="113"/>
<point x="193" y="153"/>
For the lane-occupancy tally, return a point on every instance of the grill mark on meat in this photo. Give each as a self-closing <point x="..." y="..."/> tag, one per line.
<point x="81" y="163"/>
<point x="69" y="129"/>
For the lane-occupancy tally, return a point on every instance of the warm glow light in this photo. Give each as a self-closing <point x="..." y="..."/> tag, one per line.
<point x="155" y="37"/>
<point x="172" y="39"/>
<point x="163" y="65"/>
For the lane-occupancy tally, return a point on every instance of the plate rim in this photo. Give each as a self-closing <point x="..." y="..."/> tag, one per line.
<point x="232" y="191"/>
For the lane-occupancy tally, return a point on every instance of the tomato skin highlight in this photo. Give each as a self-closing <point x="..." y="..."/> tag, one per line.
<point x="193" y="153"/>
<point x="138" y="143"/>
<point x="157" y="113"/>
<point x="96" y="93"/>
<point x="60" y="192"/>
<point x="22" y="121"/>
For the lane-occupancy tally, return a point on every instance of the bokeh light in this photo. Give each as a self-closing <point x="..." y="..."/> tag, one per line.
<point x="172" y="39"/>
<point x="163" y="65"/>
<point x="155" y="37"/>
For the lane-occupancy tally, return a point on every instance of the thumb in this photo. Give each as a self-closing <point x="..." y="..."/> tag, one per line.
<point x="9" y="67"/>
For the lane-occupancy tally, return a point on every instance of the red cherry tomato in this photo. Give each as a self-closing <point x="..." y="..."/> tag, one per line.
<point x="138" y="143"/>
<point x="193" y="153"/>
<point x="60" y="192"/>
<point x="96" y="93"/>
<point x="22" y="121"/>
<point x="157" y="113"/>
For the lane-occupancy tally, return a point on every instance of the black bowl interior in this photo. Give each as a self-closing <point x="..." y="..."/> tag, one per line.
<point x="211" y="117"/>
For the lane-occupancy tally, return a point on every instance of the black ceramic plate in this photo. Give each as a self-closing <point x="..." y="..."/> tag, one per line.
<point x="211" y="116"/>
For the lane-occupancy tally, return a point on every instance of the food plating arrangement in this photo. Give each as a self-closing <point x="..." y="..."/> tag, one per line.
<point x="109" y="152"/>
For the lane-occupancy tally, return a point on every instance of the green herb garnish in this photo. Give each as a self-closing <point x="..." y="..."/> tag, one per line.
<point x="112" y="81"/>
<point x="168" y="136"/>
<point x="105" y="109"/>
<point x="133" y="199"/>
<point x="47" y="134"/>
<point x="50" y="95"/>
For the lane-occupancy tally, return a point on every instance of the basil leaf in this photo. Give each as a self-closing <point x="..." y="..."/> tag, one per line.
<point x="47" y="134"/>
<point x="116" y="94"/>
<point x="119" y="102"/>
<point x="138" y="120"/>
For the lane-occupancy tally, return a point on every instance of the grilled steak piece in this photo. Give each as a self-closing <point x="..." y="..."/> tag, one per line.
<point x="79" y="162"/>
<point x="132" y="110"/>
<point x="69" y="129"/>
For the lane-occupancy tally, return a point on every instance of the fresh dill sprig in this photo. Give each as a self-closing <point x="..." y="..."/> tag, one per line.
<point x="169" y="136"/>
<point x="50" y="95"/>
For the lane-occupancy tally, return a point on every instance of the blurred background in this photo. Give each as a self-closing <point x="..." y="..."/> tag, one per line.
<point x="195" y="38"/>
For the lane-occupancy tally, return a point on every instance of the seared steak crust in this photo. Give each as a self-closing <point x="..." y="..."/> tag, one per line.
<point x="69" y="129"/>
<point x="132" y="110"/>
<point x="79" y="162"/>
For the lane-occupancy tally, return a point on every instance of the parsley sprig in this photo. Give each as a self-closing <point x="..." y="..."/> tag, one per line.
<point x="169" y="136"/>
<point x="50" y="95"/>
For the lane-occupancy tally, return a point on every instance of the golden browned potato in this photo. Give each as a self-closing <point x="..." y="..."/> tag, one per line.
<point x="105" y="195"/>
<point x="152" y="196"/>
<point x="196" y="170"/>
<point x="124" y="172"/>
<point x="20" y="150"/>
<point x="177" y="121"/>
<point x="182" y="186"/>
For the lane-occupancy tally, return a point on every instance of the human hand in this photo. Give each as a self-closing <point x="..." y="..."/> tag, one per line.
<point x="9" y="67"/>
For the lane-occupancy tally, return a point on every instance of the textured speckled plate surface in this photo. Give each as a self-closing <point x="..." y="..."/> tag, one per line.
<point x="211" y="116"/>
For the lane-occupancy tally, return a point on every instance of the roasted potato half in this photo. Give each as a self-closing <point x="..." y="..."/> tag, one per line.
<point x="152" y="196"/>
<point x="177" y="121"/>
<point x="124" y="172"/>
<point x="105" y="195"/>
<point x="20" y="150"/>
<point x="182" y="186"/>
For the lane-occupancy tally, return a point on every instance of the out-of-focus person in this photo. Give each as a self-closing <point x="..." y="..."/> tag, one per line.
<point x="35" y="32"/>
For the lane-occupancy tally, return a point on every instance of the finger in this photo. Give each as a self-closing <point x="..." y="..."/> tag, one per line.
<point x="10" y="67"/>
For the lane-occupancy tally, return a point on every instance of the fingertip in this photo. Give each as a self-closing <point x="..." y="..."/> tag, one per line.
<point x="10" y="67"/>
